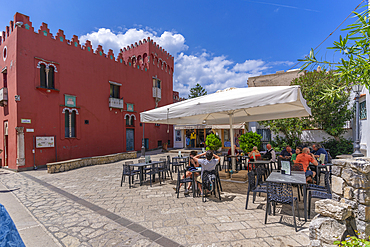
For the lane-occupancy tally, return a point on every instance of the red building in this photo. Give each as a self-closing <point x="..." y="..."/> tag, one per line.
<point x="63" y="100"/>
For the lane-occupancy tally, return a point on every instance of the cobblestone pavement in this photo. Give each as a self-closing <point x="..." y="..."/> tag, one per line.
<point x="87" y="207"/>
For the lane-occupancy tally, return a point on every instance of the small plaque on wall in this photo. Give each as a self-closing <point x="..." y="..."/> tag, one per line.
<point x="69" y="100"/>
<point x="28" y="121"/>
<point x="130" y="107"/>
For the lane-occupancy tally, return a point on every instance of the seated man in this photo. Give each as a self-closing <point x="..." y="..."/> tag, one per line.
<point x="287" y="153"/>
<point x="305" y="158"/>
<point x="208" y="164"/>
<point x="236" y="151"/>
<point x="270" y="153"/>
<point x="317" y="150"/>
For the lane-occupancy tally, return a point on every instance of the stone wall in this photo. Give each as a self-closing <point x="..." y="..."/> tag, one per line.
<point x="351" y="185"/>
<point x="67" y="165"/>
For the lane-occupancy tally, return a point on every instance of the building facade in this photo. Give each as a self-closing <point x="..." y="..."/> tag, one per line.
<point x="63" y="100"/>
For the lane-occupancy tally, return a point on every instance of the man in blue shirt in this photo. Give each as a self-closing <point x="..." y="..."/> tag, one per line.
<point x="317" y="150"/>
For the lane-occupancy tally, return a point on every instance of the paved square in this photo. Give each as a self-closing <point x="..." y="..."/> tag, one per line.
<point x="87" y="207"/>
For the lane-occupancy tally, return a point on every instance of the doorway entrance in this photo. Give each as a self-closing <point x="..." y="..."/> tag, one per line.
<point x="130" y="140"/>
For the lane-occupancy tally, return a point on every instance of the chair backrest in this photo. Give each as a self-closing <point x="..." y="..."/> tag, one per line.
<point x="175" y="161"/>
<point x="168" y="159"/>
<point x="141" y="161"/>
<point x="327" y="182"/>
<point x="297" y="167"/>
<point x="251" y="180"/>
<point x="322" y="158"/>
<point x="279" y="192"/>
<point x="155" y="168"/>
<point x="129" y="162"/>
<point x="260" y="171"/>
<point x="163" y="163"/>
<point x="126" y="169"/>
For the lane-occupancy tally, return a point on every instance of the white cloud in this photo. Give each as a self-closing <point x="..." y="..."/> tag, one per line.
<point x="171" y="42"/>
<point x="212" y="72"/>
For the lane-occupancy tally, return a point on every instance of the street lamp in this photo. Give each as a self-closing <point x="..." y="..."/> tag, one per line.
<point x="357" y="89"/>
<point x="143" y="143"/>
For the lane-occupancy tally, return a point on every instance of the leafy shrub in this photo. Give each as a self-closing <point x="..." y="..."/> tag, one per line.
<point x="279" y="143"/>
<point x="336" y="147"/>
<point x="248" y="140"/>
<point x="213" y="142"/>
<point x="353" y="241"/>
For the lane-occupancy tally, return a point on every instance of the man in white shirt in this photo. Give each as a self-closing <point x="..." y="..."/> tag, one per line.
<point x="270" y="153"/>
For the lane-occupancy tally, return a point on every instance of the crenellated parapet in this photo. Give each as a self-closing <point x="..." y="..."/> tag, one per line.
<point x="148" y="53"/>
<point x="141" y="55"/>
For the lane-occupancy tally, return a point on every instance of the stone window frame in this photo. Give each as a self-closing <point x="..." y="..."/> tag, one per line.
<point x="72" y="121"/>
<point x="47" y="67"/>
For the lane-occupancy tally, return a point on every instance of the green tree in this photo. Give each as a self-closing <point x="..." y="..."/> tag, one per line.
<point x="354" y="66"/>
<point x="292" y="128"/>
<point x="248" y="140"/>
<point x="197" y="91"/>
<point x="328" y="114"/>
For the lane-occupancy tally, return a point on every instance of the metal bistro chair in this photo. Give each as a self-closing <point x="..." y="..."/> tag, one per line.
<point x="281" y="193"/>
<point x="154" y="169"/>
<point x="185" y="180"/>
<point x="130" y="172"/>
<point x="298" y="167"/>
<point x="164" y="167"/>
<point x="254" y="187"/>
<point x="176" y="164"/>
<point x="320" y="192"/>
<point x="212" y="175"/>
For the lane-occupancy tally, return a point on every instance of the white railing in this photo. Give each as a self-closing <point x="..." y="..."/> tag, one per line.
<point x="116" y="103"/>
<point x="157" y="92"/>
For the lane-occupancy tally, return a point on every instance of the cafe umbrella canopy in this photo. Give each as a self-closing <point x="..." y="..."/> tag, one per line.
<point x="232" y="106"/>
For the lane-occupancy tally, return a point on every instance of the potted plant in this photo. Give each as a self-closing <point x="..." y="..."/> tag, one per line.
<point x="213" y="142"/>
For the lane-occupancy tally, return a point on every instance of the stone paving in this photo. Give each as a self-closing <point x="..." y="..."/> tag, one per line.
<point x="87" y="207"/>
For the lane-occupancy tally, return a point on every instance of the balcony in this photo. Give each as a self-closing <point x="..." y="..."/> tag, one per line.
<point x="156" y="93"/>
<point x="3" y="96"/>
<point x="115" y="103"/>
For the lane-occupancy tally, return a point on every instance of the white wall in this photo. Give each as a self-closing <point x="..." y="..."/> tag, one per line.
<point x="365" y="125"/>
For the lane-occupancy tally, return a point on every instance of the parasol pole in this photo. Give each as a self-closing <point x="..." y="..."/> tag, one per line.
<point x="232" y="141"/>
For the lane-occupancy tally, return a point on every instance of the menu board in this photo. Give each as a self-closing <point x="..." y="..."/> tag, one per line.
<point x="285" y="165"/>
<point x="44" y="141"/>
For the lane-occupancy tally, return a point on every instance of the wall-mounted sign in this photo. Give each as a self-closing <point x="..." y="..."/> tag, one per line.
<point x="30" y="130"/>
<point x="69" y="100"/>
<point x="17" y="98"/>
<point x="44" y="141"/>
<point x="28" y="121"/>
<point x="130" y="107"/>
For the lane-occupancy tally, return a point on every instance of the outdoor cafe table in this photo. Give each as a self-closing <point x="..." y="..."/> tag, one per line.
<point x="141" y="168"/>
<point x="262" y="162"/>
<point x="296" y="177"/>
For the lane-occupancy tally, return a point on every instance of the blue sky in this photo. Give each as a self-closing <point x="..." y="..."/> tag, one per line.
<point x="218" y="44"/>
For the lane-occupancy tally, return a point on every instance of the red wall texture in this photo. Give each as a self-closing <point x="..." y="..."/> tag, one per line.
<point x="86" y="74"/>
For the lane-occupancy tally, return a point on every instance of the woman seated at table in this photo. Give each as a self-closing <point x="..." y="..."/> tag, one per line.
<point x="254" y="154"/>
<point x="192" y="163"/>
<point x="305" y="158"/>
<point x="298" y="150"/>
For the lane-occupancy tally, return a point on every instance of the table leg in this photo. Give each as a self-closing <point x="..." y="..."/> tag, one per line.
<point x="305" y="202"/>
<point x="141" y="175"/>
<point x="193" y="184"/>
